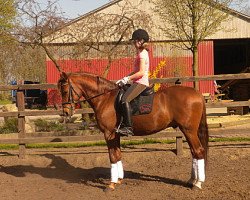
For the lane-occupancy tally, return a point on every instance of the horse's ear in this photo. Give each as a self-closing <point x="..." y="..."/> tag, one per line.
<point x="98" y="79"/>
<point x="63" y="76"/>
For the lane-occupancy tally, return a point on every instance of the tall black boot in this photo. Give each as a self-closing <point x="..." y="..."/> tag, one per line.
<point x="127" y="120"/>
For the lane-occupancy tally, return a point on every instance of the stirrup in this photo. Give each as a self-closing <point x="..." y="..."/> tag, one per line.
<point x="125" y="131"/>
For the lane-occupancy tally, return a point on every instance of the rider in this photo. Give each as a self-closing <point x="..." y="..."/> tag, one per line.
<point x="138" y="78"/>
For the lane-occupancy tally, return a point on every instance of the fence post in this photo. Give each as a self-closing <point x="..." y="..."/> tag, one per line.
<point x="21" y="123"/>
<point x="179" y="145"/>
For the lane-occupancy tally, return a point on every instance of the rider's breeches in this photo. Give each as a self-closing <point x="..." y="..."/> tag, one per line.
<point x="132" y="92"/>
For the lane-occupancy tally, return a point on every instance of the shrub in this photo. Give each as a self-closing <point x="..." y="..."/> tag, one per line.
<point x="5" y="96"/>
<point x="43" y="125"/>
<point x="10" y="126"/>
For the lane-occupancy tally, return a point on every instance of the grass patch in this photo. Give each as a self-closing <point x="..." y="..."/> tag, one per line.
<point x="8" y="146"/>
<point x="124" y="144"/>
<point x="5" y="101"/>
<point x="47" y="126"/>
<point x="146" y="141"/>
<point x="65" y="145"/>
<point x="99" y="143"/>
<point x="235" y="139"/>
<point x="9" y="126"/>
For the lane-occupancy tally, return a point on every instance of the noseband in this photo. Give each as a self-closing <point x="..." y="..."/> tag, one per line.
<point x="70" y="98"/>
<point x="71" y="91"/>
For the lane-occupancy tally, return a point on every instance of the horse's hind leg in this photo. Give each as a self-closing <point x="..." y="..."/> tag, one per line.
<point x="198" y="155"/>
<point x="197" y="173"/>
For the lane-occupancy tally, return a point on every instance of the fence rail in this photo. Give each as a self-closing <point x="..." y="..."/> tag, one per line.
<point x="202" y="78"/>
<point x="22" y="140"/>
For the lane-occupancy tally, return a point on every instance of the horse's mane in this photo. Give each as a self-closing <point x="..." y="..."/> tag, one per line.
<point x="60" y="82"/>
<point x="102" y="83"/>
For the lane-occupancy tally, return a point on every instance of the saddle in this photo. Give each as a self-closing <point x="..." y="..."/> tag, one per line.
<point x="141" y="105"/>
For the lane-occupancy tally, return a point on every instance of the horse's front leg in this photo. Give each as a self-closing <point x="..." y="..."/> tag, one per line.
<point x="117" y="173"/>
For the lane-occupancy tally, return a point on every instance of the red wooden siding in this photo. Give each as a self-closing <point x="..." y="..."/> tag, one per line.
<point x="177" y="64"/>
<point x="206" y="65"/>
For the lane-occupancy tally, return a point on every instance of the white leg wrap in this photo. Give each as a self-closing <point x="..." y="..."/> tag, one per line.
<point x="120" y="170"/>
<point x="194" y="172"/>
<point x="201" y="170"/>
<point x="114" y="173"/>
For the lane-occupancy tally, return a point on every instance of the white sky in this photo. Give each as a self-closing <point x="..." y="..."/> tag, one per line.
<point x="75" y="8"/>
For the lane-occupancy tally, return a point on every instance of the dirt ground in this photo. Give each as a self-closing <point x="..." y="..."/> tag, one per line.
<point x="152" y="172"/>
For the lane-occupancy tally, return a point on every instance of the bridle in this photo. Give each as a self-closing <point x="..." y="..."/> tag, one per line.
<point x="71" y="100"/>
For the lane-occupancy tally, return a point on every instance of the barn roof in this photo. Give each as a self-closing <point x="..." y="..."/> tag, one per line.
<point x="240" y="23"/>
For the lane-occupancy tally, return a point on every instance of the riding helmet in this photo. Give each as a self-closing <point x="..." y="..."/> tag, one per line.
<point x="140" y="34"/>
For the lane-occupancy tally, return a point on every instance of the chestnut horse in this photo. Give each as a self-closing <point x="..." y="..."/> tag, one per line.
<point x="175" y="106"/>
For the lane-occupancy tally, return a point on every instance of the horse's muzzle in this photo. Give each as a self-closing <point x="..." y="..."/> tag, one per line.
<point x="68" y="112"/>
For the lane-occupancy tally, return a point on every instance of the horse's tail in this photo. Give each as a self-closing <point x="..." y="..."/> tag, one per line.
<point x="203" y="132"/>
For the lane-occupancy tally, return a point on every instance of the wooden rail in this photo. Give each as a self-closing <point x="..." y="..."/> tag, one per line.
<point x="22" y="113"/>
<point x="202" y="78"/>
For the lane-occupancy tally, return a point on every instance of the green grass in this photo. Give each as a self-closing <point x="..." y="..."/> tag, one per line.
<point x="47" y="126"/>
<point x="8" y="146"/>
<point x="102" y="143"/>
<point x="9" y="126"/>
<point x="234" y="139"/>
<point x="4" y="102"/>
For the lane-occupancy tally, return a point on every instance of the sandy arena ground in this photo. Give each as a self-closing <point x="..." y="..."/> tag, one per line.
<point x="152" y="172"/>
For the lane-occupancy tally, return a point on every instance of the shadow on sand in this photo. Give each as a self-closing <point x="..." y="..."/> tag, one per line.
<point x="98" y="177"/>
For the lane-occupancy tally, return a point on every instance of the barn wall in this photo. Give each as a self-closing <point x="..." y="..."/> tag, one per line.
<point x="237" y="25"/>
<point x="175" y="62"/>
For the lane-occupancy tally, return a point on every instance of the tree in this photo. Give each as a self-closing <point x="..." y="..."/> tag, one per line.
<point x="7" y="18"/>
<point x="7" y="21"/>
<point x="35" y="21"/>
<point x="191" y="21"/>
<point x="101" y="34"/>
<point x="21" y="58"/>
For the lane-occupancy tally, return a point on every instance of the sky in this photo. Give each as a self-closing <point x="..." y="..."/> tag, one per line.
<point x="75" y="8"/>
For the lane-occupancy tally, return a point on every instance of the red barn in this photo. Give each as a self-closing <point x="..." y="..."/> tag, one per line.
<point x="85" y="44"/>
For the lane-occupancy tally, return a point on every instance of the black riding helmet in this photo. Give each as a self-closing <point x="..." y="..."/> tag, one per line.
<point x="140" y="34"/>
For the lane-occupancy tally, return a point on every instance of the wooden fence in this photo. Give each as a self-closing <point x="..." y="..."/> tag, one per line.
<point x="22" y="113"/>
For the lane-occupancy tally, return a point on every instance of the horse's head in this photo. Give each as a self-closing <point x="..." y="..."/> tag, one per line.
<point x="83" y="86"/>
<point x="70" y="93"/>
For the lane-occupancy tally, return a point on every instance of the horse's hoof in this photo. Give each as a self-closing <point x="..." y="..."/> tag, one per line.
<point x="191" y="182"/>
<point x="119" y="181"/>
<point x="108" y="189"/>
<point x="197" y="186"/>
<point x="190" y="185"/>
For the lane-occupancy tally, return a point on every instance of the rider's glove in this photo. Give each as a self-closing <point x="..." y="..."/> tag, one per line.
<point x="123" y="81"/>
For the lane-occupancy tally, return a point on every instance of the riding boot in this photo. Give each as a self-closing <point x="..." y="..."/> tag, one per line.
<point x="127" y="120"/>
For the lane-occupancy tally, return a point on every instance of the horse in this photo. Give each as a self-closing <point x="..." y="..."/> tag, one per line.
<point x="174" y="106"/>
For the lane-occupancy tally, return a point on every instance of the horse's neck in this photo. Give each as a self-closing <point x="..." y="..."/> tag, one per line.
<point x="90" y="86"/>
<point x="93" y="88"/>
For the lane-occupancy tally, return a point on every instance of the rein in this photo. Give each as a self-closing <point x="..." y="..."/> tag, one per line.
<point x="97" y="95"/>
<point x="71" y="100"/>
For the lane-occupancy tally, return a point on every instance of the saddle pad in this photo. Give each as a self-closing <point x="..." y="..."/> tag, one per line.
<point x="142" y="105"/>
